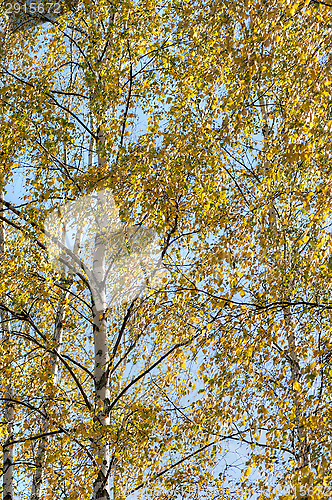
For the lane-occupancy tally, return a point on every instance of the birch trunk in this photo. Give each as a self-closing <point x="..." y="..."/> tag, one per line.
<point x="8" y="451"/>
<point x="37" y="481"/>
<point x="101" y="489"/>
<point x="300" y="441"/>
<point x="102" y="396"/>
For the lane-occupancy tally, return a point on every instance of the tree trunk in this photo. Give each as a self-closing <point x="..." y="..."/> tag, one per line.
<point x="101" y="367"/>
<point x="7" y="468"/>
<point x="37" y="481"/>
<point x="300" y="438"/>
<point x="102" y="396"/>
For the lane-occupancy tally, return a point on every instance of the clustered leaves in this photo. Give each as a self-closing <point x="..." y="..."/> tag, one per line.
<point x="215" y="119"/>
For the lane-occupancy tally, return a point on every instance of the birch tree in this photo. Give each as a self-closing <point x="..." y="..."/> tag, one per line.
<point x="7" y="469"/>
<point x="210" y="124"/>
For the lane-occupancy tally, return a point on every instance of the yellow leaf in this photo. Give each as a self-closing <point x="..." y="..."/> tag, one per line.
<point x="247" y="472"/>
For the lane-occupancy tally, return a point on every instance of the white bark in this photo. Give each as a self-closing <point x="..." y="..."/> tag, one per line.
<point x="101" y="368"/>
<point x="300" y="437"/>
<point x="8" y="451"/>
<point x="37" y="481"/>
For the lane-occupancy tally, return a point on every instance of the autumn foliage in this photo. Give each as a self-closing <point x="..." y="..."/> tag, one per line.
<point x="210" y="122"/>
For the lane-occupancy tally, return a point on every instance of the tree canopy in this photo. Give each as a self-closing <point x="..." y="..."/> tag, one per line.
<point x="208" y="127"/>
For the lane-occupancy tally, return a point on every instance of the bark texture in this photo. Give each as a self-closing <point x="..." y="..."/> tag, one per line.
<point x="101" y="366"/>
<point x="8" y="451"/>
<point x="300" y="440"/>
<point x="37" y="481"/>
